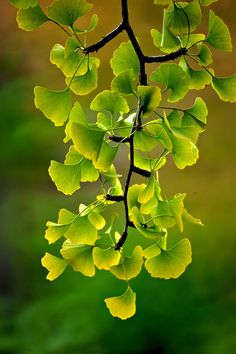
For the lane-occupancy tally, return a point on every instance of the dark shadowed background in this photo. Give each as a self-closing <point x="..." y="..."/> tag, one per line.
<point x="195" y="314"/>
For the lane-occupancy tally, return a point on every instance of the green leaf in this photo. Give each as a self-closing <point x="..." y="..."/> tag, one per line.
<point x="84" y="84"/>
<point x="199" y="79"/>
<point x="159" y="131"/>
<point x="79" y="257"/>
<point x="24" y="4"/>
<point x="88" y="140"/>
<point x="225" y="88"/>
<point x="123" y="306"/>
<point x="124" y="83"/>
<point x="207" y="2"/>
<point x="66" y="177"/>
<point x="133" y="194"/>
<point x="82" y="231"/>
<point x="150" y="98"/>
<point x="184" y="152"/>
<point x="97" y="220"/>
<point x="91" y="27"/>
<point x="106" y="157"/>
<point x="124" y="59"/>
<point x="172" y="262"/>
<point x="218" y="33"/>
<point x="151" y="251"/>
<point x="56" y="230"/>
<point x="55" y="105"/>
<point x="88" y="172"/>
<point x="204" y="55"/>
<point x="105" y="258"/>
<point x="77" y="115"/>
<point x="54" y="265"/>
<point x="67" y="12"/>
<point x="144" y="141"/>
<point x="129" y="267"/>
<point x="148" y="164"/>
<point x="172" y="77"/>
<point x="169" y="212"/>
<point x="110" y="101"/>
<point x="190" y="218"/>
<point x="30" y="18"/>
<point x="198" y="110"/>
<point x="111" y="178"/>
<point x="148" y="191"/>
<point x="183" y="18"/>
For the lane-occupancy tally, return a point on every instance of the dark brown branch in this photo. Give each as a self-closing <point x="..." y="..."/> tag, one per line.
<point x="114" y="198"/>
<point x="95" y="47"/>
<point x="119" y="139"/>
<point x="141" y="172"/>
<point x="167" y="57"/>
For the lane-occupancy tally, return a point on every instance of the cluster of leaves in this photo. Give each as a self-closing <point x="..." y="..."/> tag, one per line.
<point x="151" y="128"/>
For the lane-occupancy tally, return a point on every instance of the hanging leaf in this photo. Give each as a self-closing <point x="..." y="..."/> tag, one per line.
<point x="172" y="77"/>
<point x="148" y="191"/>
<point x="184" y="152"/>
<point x="24" y="4"/>
<point x="204" y="55"/>
<point x="77" y="115"/>
<point x="54" y="265"/>
<point x="110" y="101"/>
<point x="218" y="33"/>
<point x="79" y="257"/>
<point x="82" y="231"/>
<point x="93" y="24"/>
<point x="198" y="79"/>
<point x="55" y="105"/>
<point x="130" y="267"/>
<point x="84" y="84"/>
<point x="124" y="83"/>
<point x="159" y="131"/>
<point x="67" y="12"/>
<point x="30" y="18"/>
<point x="56" y="230"/>
<point x="124" y="59"/>
<point x="198" y="110"/>
<point x="66" y="177"/>
<point x="225" y="87"/>
<point x="106" y="157"/>
<point x="123" y="306"/>
<point x="150" y="99"/>
<point x="104" y="258"/>
<point x="190" y="218"/>
<point x="144" y="141"/>
<point x="172" y="262"/>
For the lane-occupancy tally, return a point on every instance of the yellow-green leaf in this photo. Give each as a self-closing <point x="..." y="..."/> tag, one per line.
<point x="123" y="306"/>
<point x="82" y="231"/>
<point x="104" y="258"/>
<point x="54" y="265"/>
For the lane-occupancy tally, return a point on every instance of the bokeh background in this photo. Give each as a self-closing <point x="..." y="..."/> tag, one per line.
<point x="194" y="314"/>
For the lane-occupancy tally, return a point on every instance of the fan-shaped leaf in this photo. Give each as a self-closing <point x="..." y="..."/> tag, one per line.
<point x="67" y="12"/>
<point x="150" y="98"/>
<point x="110" y="101"/>
<point x="54" y="265"/>
<point x="82" y="231"/>
<point x="123" y="306"/>
<point x="218" y="33"/>
<point x="30" y="18"/>
<point x="104" y="258"/>
<point x="124" y="59"/>
<point x="225" y="87"/>
<point x="24" y="4"/>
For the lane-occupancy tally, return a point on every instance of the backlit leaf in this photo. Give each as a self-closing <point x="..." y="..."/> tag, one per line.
<point x="77" y="115"/>
<point x="67" y="12"/>
<point x="218" y="33"/>
<point x="172" y="262"/>
<point x="54" y="265"/>
<point x="55" y="105"/>
<point x="24" y="4"/>
<point x="110" y="101"/>
<point x="30" y="18"/>
<point x="82" y="231"/>
<point x="204" y="55"/>
<point x="104" y="258"/>
<point x="225" y="88"/>
<point x="173" y="77"/>
<point x="150" y="98"/>
<point x="124" y="59"/>
<point x="84" y="84"/>
<point x="123" y="306"/>
<point x="124" y="83"/>
<point x="79" y="257"/>
<point x="91" y="27"/>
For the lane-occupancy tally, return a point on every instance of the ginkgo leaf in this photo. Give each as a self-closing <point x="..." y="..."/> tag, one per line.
<point x="66" y="177"/>
<point x="87" y="140"/>
<point x="151" y="251"/>
<point x="198" y="110"/>
<point x="148" y="191"/>
<point x="77" y="115"/>
<point x="124" y="59"/>
<point x="172" y="77"/>
<point x="106" y="157"/>
<point x="204" y="55"/>
<point x="84" y="84"/>
<point x="93" y="24"/>
<point x="183" y="18"/>
<point x="79" y="256"/>
<point x="198" y="79"/>
<point x="67" y="12"/>
<point x="225" y="87"/>
<point x="133" y="194"/>
<point x="82" y="231"/>
<point x="54" y="265"/>
<point x="218" y="33"/>
<point x="104" y="258"/>
<point x="123" y="306"/>
<point x="184" y="152"/>
<point x="129" y="267"/>
<point x="24" y="4"/>
<point x="150" y="98"/>
<point x="159" y="131"/>
<point x="124" y="82"/>
<point x="207" y="2"/>
<point x="55" y="231"/>
<point x="30" y="18"/>
<point x="109" y="101"/>
<point x="190" y="218"/>
<point x="55" y="105"/>
<point x="144" y="141"/>
<point x="170" y="263"/>
<point x="97" y="220"/>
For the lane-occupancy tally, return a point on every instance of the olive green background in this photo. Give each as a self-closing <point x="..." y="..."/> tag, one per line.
<point x="194" y="314"/>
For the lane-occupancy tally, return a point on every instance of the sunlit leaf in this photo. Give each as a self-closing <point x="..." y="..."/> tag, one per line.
<point x="79" y="257"/>
<point x="225" y="87"/>
<point x="124" y="82"/>
<point x="129" y="267"/>
<point x="148" y="191"/>
<point x="198" y="110"/>
<point x="123" y="306"/>
<point x="109" y="101"/>
<point x="67" y="12"/>
<point x="97" y="220"/>
<point x="207" y="2"/>
<point x="159" y="131"/>
<point x="77" y="115"/>
<point x="55" y="105"/>
<point x="204" y="55"/>
<point x="173" y="77"/>
<point x="190" y="218"/>
<point x="54" y="265"/>
<point x="218" y="33"/>
<point x="124" y="59"/>
<point x="199" y="79"/>
<point x="24" y="4"/>
<point x="104" y="258"/>
<point x="91" y="26"/>
<point x="82" y="231"/>
<point x="150" y="98"/>
<point x="30" y="18"/>
<point x="172" y="262"/>
<point x="106" y="157"/>
<point x="84" y="84"/>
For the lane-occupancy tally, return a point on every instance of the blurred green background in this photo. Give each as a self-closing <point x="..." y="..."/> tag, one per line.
<point x="194" y="314"/>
